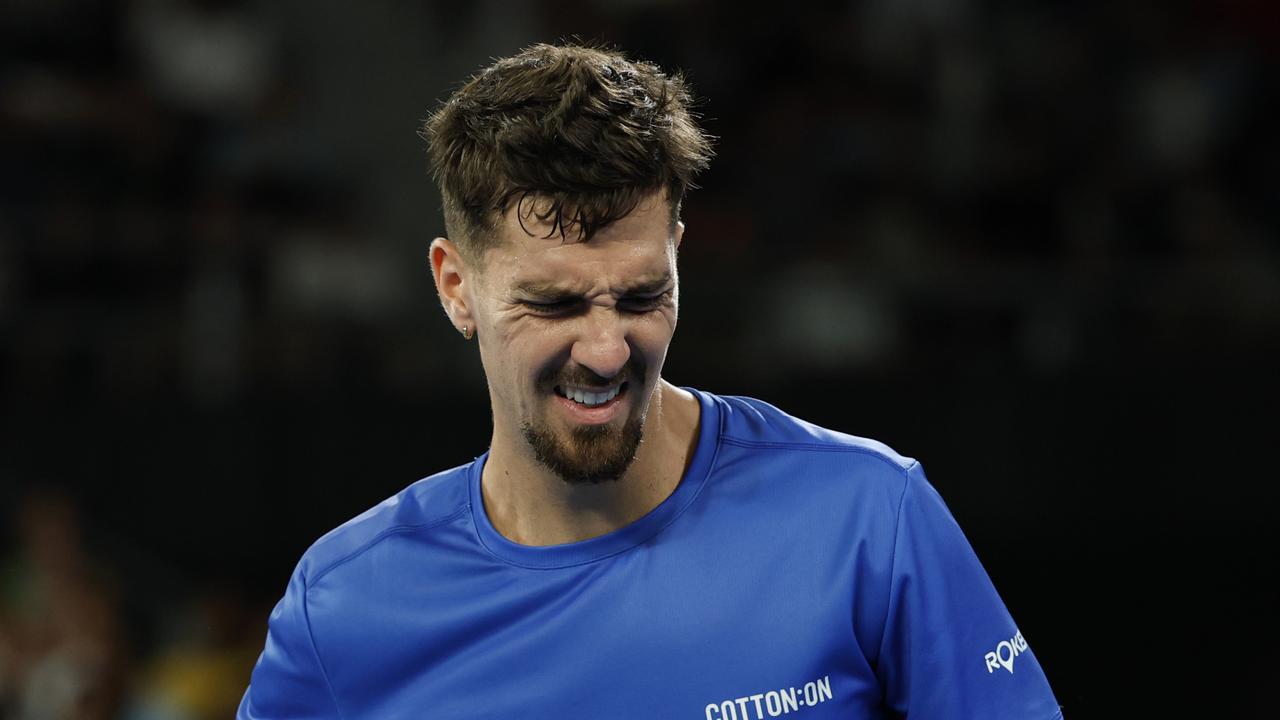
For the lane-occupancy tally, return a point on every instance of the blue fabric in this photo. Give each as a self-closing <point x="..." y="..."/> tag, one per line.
<point x="795" y="571"/>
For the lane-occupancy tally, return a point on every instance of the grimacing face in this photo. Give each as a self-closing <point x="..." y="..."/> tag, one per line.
<point x="573" y="336"/>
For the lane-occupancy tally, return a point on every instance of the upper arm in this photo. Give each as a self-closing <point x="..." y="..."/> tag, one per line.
<point x="950" y="647"/>
<point x="289" y="680"/>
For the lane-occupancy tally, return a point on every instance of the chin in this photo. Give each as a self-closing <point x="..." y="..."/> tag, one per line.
<point x="587" y="455"/>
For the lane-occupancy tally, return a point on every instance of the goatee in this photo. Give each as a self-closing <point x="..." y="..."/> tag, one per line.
<point x="592" y="454"/>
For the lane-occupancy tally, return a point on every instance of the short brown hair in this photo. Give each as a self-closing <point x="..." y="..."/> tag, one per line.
<point x="574" y="136"/>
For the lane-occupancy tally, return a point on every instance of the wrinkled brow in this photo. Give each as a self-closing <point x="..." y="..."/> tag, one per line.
<point x="556" y="291"/>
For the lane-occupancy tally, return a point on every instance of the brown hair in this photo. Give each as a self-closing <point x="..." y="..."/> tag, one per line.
<point x="573" y="136"/>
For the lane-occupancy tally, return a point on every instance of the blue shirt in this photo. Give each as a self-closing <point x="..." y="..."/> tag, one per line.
<point x="794" y="571"/>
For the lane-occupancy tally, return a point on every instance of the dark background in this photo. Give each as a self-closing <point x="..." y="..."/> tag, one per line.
<point x="1032" y="244"/>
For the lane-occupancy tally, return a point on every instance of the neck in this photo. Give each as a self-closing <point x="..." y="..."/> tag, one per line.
<point x="530" y="505"/>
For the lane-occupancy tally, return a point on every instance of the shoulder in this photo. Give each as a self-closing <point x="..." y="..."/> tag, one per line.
<point x="755" y="424"/>
<point x="428" y="503"/>
<point x="756" y="439"/>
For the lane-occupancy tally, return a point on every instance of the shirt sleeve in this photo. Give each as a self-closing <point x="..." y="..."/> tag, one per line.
<point x="950" y="648"/>
<point x="289" y="680"/>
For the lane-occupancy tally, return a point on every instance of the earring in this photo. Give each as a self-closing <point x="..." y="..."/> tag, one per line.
<point x="466" y="332"/>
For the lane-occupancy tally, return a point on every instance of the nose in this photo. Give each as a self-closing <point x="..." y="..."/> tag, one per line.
<point x="602" y="346"/>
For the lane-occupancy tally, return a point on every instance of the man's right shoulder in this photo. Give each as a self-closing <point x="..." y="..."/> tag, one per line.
<point x="432" y="501"/>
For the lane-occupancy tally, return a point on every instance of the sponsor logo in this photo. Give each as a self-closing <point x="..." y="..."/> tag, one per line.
<point x="1005" y="652"/>
<point x="772" y="703"/>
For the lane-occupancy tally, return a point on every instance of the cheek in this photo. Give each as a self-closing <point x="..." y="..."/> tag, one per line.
<point x="668" y="317"/>
<point x="532" y="349"/>
<point x="654" y="333"/>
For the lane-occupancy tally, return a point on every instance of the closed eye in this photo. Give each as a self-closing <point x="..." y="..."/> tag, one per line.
<point x="550" y="308"/>
<point x="634" y="304"/>
<point x="644" y="304"/>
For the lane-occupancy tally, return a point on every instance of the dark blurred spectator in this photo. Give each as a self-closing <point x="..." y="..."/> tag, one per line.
<point x="210" y="57"/>
<point x="59" y="621"/>
<point x="204" y="667"/>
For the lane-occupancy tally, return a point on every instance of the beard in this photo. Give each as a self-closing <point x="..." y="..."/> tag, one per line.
<point x="592" y="454"/>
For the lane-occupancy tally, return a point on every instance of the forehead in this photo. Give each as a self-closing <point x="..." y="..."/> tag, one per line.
<point x="637" y="247"/>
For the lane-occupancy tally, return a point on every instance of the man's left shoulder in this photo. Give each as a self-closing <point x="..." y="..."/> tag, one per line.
<point x="758" y="439"/>
<point x="804" y="475"/>
<point x="749" y="422"/>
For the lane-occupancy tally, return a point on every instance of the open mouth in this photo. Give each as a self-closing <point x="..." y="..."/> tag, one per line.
<point x="590" y="397"/>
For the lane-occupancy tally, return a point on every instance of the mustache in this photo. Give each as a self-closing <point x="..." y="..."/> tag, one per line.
<point x="583" y="377"/>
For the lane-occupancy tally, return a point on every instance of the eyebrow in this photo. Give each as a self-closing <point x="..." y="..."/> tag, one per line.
<point x="554" y="291"/>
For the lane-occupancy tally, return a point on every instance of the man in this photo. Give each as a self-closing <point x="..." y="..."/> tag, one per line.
<point x="626" y="548"/>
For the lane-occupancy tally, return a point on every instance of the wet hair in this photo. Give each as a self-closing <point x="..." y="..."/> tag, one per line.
<point x="574" y="137"/>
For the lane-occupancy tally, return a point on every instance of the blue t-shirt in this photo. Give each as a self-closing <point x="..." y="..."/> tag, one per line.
<point x="794" y="571"/>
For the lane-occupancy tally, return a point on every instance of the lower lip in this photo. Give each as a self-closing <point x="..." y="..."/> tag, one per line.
<point x="595" y="414"/>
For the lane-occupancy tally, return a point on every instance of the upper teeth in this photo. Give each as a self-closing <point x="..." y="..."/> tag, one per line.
<point x="591" y="398"/>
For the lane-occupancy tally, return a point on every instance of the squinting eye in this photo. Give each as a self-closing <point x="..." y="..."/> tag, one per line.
<point x="644" y="304"/>
<point x="549" y="308"/>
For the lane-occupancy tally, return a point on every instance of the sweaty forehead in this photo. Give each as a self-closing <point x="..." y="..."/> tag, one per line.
<point x="535" y="287"/>
<point x="547" y="266"/>
<point x="638" y="249"/>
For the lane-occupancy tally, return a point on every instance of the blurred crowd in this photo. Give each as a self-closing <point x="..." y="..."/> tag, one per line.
<point x="211" y="206"/>
<point x="67" y="649"/>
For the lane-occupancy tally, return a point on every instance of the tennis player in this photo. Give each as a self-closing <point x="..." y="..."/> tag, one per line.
<point x="626" y="548"/>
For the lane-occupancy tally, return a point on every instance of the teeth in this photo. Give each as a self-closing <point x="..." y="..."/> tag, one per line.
<point x="591" y="398"/>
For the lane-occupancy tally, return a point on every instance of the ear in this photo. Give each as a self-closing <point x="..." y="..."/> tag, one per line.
<point x="679" y="232"/>
<point x="454" y="278"/>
